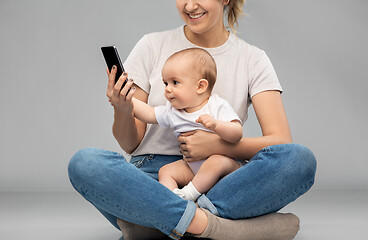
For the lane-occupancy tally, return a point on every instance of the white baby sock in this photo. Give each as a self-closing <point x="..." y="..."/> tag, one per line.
<point x="189" y="192"/>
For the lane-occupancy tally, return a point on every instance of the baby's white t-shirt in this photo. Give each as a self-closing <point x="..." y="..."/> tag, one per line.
<point x="181" y="121"/>
<point x="243" y="71"/>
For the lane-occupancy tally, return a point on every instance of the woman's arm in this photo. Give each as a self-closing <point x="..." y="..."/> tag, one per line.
<point x="272" y="119"/>
<point x="127" y="130"/>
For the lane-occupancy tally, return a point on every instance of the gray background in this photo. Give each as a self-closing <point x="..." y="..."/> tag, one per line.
<point x="53" y="81"/>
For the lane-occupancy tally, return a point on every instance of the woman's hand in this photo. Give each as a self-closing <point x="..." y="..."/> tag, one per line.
<point x="119" y="99"/>
<point x="197" y="145"/>
<point x="127" y="130"/>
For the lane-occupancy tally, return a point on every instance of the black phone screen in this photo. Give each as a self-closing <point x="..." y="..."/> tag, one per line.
<point x="111" y="56"/>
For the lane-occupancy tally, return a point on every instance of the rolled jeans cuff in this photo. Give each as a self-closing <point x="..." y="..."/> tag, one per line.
<point x="204" y="202"/>
<point x="185" y="221"/>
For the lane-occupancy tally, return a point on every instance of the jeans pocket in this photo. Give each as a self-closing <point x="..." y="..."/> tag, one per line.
<point x="139" y="161"/>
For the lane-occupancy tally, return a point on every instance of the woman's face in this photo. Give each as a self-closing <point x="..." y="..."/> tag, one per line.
<point x="202" y="16"/>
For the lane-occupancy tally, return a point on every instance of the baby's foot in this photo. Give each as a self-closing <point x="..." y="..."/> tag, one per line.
<point x="189" y="192"/>
<point x="179" y="192"/>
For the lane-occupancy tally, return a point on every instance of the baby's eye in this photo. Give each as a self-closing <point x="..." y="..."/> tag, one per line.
<point x="165" y="83"/>
<point x="175" y="82"/>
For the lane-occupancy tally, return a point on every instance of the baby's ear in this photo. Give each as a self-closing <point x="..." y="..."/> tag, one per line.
<point x="202" y="85"/>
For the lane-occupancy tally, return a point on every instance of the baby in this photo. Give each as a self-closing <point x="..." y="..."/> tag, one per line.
<point x="189" y="76"/>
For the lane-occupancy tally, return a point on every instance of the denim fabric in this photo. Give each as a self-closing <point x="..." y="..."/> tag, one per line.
<point x="118" y="188"/>
<point x="274" y="177"/>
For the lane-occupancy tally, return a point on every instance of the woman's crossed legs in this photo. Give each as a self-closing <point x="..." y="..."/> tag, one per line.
<point x="277" y="176"/>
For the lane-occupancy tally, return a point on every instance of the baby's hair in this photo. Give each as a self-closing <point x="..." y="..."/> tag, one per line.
<point x="203" y="63"/>
<point x="234" y="10"/>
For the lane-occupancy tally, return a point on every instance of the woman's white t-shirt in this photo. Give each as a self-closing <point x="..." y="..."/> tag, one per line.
<point x="243" y="70"/>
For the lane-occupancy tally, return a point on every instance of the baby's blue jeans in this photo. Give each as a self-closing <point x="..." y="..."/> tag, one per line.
<point x="274" y="177"/>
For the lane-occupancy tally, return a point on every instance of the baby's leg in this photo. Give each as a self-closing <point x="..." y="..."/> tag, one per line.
<point x="176" y="174"/>
<point x="214" y="168"/>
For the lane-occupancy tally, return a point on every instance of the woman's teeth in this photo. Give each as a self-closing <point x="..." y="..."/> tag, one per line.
<point x="196" y="15"/>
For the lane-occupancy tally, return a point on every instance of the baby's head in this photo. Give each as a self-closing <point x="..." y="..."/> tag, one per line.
<point x="189" y="76"/>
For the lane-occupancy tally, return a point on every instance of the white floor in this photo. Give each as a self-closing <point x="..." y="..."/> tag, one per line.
<point x="324" y="215"/>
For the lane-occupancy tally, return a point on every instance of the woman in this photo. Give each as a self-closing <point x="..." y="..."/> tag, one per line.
<point x="278" y="172"/>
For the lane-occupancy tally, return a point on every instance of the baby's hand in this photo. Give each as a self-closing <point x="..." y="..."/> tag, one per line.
<point x="207" y="121"/>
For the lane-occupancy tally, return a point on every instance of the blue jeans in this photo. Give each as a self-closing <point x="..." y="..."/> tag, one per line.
<point x="274" y="177"/>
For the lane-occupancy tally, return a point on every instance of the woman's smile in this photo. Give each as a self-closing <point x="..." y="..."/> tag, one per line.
<point x="195" y="16"/>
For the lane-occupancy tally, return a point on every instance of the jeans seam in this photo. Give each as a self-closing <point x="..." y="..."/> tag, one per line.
<point x="259" y="153"/>
<point x="141" y="162"/>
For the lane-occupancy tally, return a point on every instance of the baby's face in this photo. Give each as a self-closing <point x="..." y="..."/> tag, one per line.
<point x="180" y="81"/>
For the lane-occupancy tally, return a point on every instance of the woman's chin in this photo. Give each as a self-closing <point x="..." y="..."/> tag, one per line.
<point x="195" y="28"/>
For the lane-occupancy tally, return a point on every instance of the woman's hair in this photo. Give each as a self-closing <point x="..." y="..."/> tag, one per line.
<point x="202" y="62"/>
<point x="234" y="10"/>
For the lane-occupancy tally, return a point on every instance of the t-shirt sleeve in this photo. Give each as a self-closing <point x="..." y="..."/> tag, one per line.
<point x="163" y="114"/>
<point x="226" y="113"/>
<point x="262" y="75"/>
<point x="139" y="63"/>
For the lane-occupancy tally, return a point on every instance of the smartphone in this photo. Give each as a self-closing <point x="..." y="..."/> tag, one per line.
<point x="112" y="58"/>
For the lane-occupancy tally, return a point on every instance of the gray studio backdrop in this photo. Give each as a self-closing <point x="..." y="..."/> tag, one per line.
<point x="53" y="80"/>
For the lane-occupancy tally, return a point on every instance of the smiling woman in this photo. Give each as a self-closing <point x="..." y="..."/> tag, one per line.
<point x="233" y="10"/>
<point x="277" y="172"/>
<point x="204" y="17"/>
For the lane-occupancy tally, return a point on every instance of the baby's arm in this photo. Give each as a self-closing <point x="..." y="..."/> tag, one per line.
<point x="144" y="112"/>
<point x="229" y="131"/>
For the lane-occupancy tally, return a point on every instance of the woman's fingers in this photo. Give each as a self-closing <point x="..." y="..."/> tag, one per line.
<point x="111" y="82"/>
<point x="126" y="88"/>
<point x="116" y="93"/>
<point x="183" y="147"/>
<point x="183" y="136"/>
<point x="181" y="139"/>
<point x="119" y="84"/>
<point x="186" y="134"/>
<point x="130" y="94"/>
<point x="184" y="153"/>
